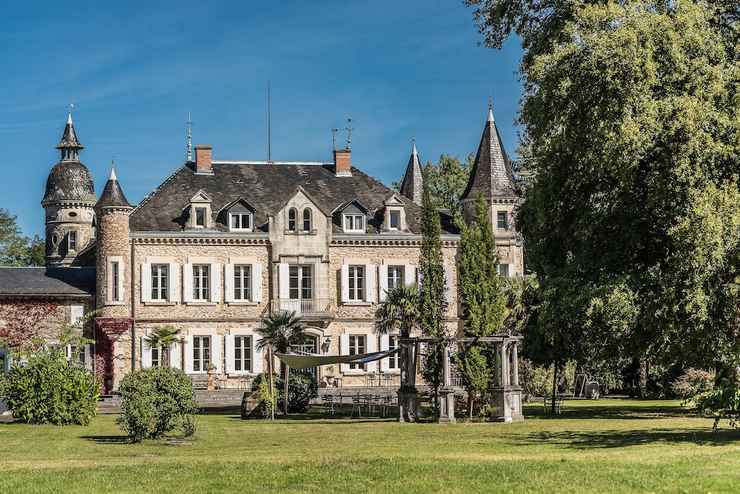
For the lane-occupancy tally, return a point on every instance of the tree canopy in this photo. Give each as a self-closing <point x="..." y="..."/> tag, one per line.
<point x="15" y="249"/>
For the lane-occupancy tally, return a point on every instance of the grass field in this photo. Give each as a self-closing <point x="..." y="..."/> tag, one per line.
<point x="605" y="446"/>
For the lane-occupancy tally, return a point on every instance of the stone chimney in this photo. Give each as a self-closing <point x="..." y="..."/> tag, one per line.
<point x="343" y="162"/>
<point x="203" y="159"/>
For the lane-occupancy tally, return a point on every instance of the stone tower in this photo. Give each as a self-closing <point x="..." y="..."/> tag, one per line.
<point x="412" y="184"/>
<point x="492" y="177"/>
<point x="113" y="296"/>
<point x="68" y="203"/>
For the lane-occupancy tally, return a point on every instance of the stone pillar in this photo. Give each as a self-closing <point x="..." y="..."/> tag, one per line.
<point x="446" y="392"/>
<point x="515" y="363"/>
<point x="408" y="400"/>
<point x="507" y="398"/>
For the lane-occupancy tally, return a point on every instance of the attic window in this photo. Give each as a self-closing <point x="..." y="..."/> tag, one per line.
<point x="292" y="214"/>
<point x="240" y="222"/>
<point x="354" y="223"/>
<point x="200" y="217"/>
<point x="307" y="220"/>
<point x="395" y="220"/>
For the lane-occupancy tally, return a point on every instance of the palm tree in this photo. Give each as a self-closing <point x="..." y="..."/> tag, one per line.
<point x="163" y="338"/>
<point x="281" y="330"/>
<point x="400" y="311"/>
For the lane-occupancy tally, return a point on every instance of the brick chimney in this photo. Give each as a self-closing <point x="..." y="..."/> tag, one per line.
<point x="343" y="162"/>
<point x="203" y="159"/>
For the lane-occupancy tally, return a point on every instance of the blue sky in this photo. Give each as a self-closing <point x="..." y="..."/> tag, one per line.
<point x="135" y="69"/>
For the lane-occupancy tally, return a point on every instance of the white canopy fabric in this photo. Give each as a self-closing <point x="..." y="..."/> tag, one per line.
<point x="307" y="361"/>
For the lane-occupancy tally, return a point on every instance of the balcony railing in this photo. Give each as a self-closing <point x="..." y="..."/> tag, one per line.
<point x="304" y="307"/>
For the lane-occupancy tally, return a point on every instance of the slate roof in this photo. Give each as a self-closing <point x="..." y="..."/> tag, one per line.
<point x="45" y="281"/>
<point x="69" y="136"/>
<point x="413" y="180"/>
<point x="112" y="195"/>
<point x="69" y="181"/>
<point x="267" y="187"/>
<point x="492" y="174"/>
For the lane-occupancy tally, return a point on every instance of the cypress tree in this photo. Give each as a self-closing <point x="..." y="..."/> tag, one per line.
<point x="432" y="292"/>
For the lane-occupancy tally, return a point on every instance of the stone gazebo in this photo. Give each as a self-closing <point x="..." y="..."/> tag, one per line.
<point x="507" y="394"/>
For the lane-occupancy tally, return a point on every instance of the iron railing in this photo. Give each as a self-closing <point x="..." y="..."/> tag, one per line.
<point x="304" y="307"/>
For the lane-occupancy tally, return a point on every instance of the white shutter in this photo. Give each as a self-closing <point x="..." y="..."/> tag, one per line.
<point x="187" y="290"/>
<point x="372" y="346"/>
<point x="344" y="281"/>
<point x="257" y="356"/>
<point x="257" y="283"/>
<point x="283" y="281"/>
<point x="229" y="353"/>
<point x="316" y="278"/>
<point x="228" y="283"/>
<point x="176" y="356"/>
<point x="88" y="357"/>
<point x="121" y="281"/>
<point x="370" y="285"/>
<point x="384" y="348"/>
<point x="76" y="312"/>
<point x="216" y="353"/>
<point x="409" y="275"/>
<point x="189" y="354"/>
<point x="173" y="271"/>
<point x="146" y="282"/>
<point x="344" y="350"/>
<point x="383" y="281"/>
<point x="146" y="353"/>
<point x="215" y="282"/>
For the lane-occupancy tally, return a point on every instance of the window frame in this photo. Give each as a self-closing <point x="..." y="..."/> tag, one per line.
<point x="304" y="279"/>
<point x="354" y="228"/>
<point x="356" y="279"/>
<point x="243" y="283"/>
<point x="204" y="353"/>
<point x="72" y="241"/>
<point x="391" y="213"/>
<point x="201" y="282"/>
<point x="357" y="344"/>
<point x="394" y="360"/>
<point x="160" y="291"/>
<point x="503" y="270"/>
<point x="307" y="220"/>
<point x="156" y="356"/>
<point x="241" y="216"/>
<point x="397" y="280"/>
<point x="502" y="217"/>
<point x="245" y="359"/>
<point x="204" y="210"/>
<point x="292" y="225"/>
<point x="115" y="274"/>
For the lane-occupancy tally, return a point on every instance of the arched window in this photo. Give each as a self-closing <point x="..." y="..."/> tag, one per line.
<point x="292" y="213"/>
<point x="307" y="220"/>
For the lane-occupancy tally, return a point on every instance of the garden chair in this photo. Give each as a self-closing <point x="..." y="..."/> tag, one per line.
<point x="328" y="401"/>
<point x="357" y="405"/>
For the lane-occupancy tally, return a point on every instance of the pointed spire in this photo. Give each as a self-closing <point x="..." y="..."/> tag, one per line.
<point x="413" y="180"/>
<point x="189" y="140"/>
<point x="492" y="175"/>
<point x="112" y="195"/>
<point x="69" y="146"/>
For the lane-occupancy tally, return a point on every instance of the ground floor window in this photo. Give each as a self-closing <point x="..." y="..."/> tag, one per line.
<point x="243" y="353"/>
<point x="393" y="360"/>
<point x="156" y="357"/>
<point x="201" y="353"/>
<point x="357" y="347"/>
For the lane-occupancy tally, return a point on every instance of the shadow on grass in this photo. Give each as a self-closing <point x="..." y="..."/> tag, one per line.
<point x="609" y="412"/>
<point x="621" y="439"/>
<point x="108" y="439"/>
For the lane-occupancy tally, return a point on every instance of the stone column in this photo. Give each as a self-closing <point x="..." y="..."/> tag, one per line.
<point x="506" y="398"/>
<point x="515" y="362"/>
<point x="446" y="392"/>
<point x="504" y="365"/>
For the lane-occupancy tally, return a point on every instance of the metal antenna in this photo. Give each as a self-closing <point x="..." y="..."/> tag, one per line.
<point x="349" y="130"/>
<point x="269" y="125"/>
<point x="334" y="139"/>
<point x="189" y="140"/>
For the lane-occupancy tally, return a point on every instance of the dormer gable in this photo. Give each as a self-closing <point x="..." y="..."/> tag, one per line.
<point x="352" y="216"/>
<point x="238" y="216"/>
<point x="394" y="215"/>
<point x="300" y="213"/>
<point x="199" y="211"/>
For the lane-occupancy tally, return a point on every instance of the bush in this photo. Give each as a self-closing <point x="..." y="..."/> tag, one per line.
<point x="155" y="402"/>
<point x="302" y="388"/>
<point x="693" y="382"/>
<point x="50" y="390"/>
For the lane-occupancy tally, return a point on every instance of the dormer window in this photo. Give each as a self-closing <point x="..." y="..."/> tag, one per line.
<point x="354" y="223"/>
<point x="307" y="220"/>
<point x="395" y="220"/>
<point x="240" y="222"/>
<point x="72" y="241"/>
<point x="292" y="218"/>
<point x="200" y="217"/>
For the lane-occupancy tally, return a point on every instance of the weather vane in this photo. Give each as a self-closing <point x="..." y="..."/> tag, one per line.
<point x="349" y="130"/>
<point x="334" y="139"/>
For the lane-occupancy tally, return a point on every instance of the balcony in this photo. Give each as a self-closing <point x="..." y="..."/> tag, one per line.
<point x="315" y="308"/>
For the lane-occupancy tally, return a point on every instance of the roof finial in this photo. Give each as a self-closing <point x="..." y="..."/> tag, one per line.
<point x="490" y="109"/>
<point x="113" y="170"/>
<point x="349" y="130"/>
<point x="69" y="113"/>
<point x="413" y="146"/>
<point x="189" y="139"/>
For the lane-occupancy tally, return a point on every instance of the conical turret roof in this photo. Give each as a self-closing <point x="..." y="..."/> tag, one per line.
<point x="492" y="174"/>
<point x="413" y="180"/>
<point x="112" y="196"/>
<point x="69" y="137"/>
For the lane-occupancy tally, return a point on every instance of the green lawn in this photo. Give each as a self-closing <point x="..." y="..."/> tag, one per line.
<point x="605" y="446"/>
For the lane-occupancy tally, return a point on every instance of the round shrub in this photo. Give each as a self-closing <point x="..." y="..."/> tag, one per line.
<point x="49" y="390"/>
<point x="302" y="388"/>
<point x="155" y="402"/>
<point x="692" y="383"/>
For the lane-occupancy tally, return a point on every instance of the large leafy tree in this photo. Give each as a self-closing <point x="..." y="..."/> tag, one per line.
<point x="432" y="301"/>
<point x="15" y="249"/>
<point x="631" y="120"/>
<point x="446" y="181"/>
<point x="279" y="331"/>
<point x="163" y="338"/>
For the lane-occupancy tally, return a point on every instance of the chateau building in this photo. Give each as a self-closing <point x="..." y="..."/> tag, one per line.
<point x="219" y="244"/>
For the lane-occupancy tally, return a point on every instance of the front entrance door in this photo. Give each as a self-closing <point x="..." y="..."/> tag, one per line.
<point x="309" y="346"/>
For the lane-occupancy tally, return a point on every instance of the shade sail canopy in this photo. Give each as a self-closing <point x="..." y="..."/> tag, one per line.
<point x="307" y="361"/>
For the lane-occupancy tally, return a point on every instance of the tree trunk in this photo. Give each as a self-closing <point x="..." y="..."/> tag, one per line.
<point x="269" y="377"/>
<point x="166" y="357"/>
<point x="285" y="389"/>
<point x="643" y="378"/>
<point x="555" y="368"/>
